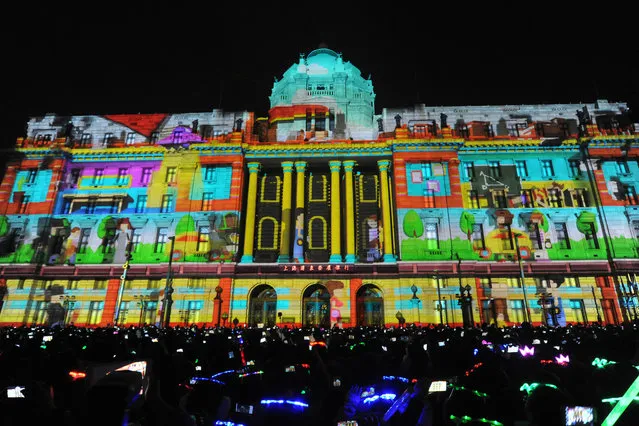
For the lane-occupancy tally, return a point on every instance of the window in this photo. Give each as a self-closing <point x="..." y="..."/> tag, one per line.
<point x="203" y="238"/>
<point x="130" y="138"/>
<point x="485" y="283"/>
<point x="543" y="282"/>
<point x="140" y="203"/>
<point x="192" y="313"/>
<point x="432" y="237"/>
<point x="114" y="207"/>
<point x="635" y="228"/>
<point x="153" y="284"/>
<point x="507" y="237"/>
<point x="95" y="312"/>
<point x="591" y="236"/>
<point x="575" y="169"/>
<point x="84" y="240"/>
<point x="577" y="309"/>
<point x="207" y="201"/>
<point x="100" y="285"/>
<point x="85" y="139"/>
<point x="494" y="169"/>
<point x="124" y="312"/>
<point x="108" y="245"/>
<point x="580" y="197"/>
<point x="92" y="204"/>
<point x="136" y="240"/>
<point x="522" y="169"/>
<point x="499" y="199"/>
<point x="571" y="282"/>
<point x="547" y="169"/>
<point x="512" y="282"/>
<point x="622" y="167"/>
<point x="527" y="199"/>
<point x="24" y="204"/>
<point x="98" y="177"/>
<point x="122" y="175"/>
<point x="178" y="135"/>
<point x="516" y="313"/>
<point x="440" y="308"/>
<point x="469" y="170"/>
<point x="31" y="175"/>
<point x="167" y="203"/>
<point x="107" y="138"/>
<point x="40" y="312"/>
<point x="171" y="174"/>
<point x="631" y="195"/>
<point x="161" y="239"/>
<point x="473" y="199"/>
<point x="210" y="174"/>
<point x="478" y="236"/>
<point x="196" y="283"/>
<point x="74" y="177"/>
<point x="427" y="170"/>
<point x="20" y="285"/>
<point x="150" y="312"/>
<point x="562" y="235"/>
<point x="146" y="176"/>
<point x="554" y="197"/>
<point x="155" y="137"/>
<point x="535" y="236"/>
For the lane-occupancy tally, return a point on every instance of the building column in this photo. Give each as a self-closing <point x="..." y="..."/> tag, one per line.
<point x="350" y="210"/>
<point x="298" y="246"/>
<point x="249" y="228"/>
<point x="336" y="204"/>
<point x="285" y="228"/>
<point x="386" y="211"/>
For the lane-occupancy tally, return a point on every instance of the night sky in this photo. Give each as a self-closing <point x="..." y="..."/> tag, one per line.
<point x="145" y="57"/>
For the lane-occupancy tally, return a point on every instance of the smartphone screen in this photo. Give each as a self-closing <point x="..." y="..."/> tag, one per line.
<point x="337" y="382"/>
<point x="438" y="386"/>
<point x="347" y="423"/>
<point x="244" y="409"/>
<point x="580" y="416"/>
<point x="290" y="369"/>
<point x="15" y="392"/>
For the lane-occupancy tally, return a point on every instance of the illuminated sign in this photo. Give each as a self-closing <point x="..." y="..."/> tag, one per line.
<point x="316" y="268"/>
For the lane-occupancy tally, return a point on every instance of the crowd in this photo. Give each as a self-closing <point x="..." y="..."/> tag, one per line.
<point x="520" y="375"/>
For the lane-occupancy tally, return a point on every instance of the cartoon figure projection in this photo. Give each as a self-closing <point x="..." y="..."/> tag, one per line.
<point x="298" y="247"/>
<point x="372" y="232"/>
<point x="72" y="245"/>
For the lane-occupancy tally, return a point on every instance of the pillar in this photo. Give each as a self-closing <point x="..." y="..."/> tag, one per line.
<point x="386" y="211"/>
<point x="336" y="204"/>
<point x="285" y="228"/>
<point x="350" y="209"/>
<point x="249" y="228"/>
<point x="298" y="246"/>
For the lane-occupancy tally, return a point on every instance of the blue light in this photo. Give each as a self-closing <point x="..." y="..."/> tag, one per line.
<point x="385" y="396"/>
<point x="401" y="379"/>
<point x="227" y="423"/>
<point x="475" y="351"/>
<point x="222" y="373"/>
<point x="194" y="380"/>
<point x="283" y="401"/>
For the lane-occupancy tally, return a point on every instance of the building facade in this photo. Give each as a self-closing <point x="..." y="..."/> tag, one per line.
<point x="324" y="213"/>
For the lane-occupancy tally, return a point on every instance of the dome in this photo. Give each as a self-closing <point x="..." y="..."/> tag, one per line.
<point x="322" y="61"/>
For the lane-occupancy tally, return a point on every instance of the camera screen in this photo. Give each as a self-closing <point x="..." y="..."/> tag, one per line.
<point x="290" y="369"/>
<point x="437" y="386"/>
<point x="15" y="392"/>
<point x="580" y="416"/>
<point x="244" y="409"/>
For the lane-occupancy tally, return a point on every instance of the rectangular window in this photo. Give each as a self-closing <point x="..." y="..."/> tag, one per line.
<point x="107" y="138"/>
<point x="207" y="201"/>
<point x="571" y="282"/>
<point x="122" y="175"/>
<point x="478" y="237"/>
<point x="555" y="198"/>
<point x="469" y="170"/>
<point x="153" y="284"/>
<point x="136" y="240"/>
<point x="591" y="236"/>
<point x="631" y="195"/>
<point x="40" y="312"/>
<point x="547" y="169"/>
<point x="562" y="235"/>
<point x="516" y="313"/>
<point x="161" y="239"/>
<point x="84" y="240"/>
<point x="85" y="139"/>
<point x="95" y="312"/>
<point x="427" y="170"/>
<point x="196" y="283"/>
<point x="507" y="237"/>
<point x="155" y="137"/>
<point x="92" y="204"/>
<point x="522" y="169"/>
<point x="499" y="199"/>
<point x="622" y="167"/>
<point x="150" y="312"/>
<point x="527" y="199"/>
<point x="98" y="177"/>
<point x="203" y="238"/>
<point x="167" y="203"/>
<point x="145" y="179"/>
<point x="130" y="138"/>
<point x="512" y="282"/>
<point x="535" y="236"/>
<point x="20" y="285"/>
<point x="31" y="176"/>
<point x="140" y="204"/>
<point x="575" y="169"/>
<point x="24" y="204"/>
<point x="580" y="197"/>
<point x="473" y="199"/>
<point x="635" y="228"/>
<point x="171" y="174"/>
<point x="210" y="174"/>
<point x="192" y="313"/>
<point x="494" y="169"/>
<point x="74" y="177"/>
<point x="577" y="308"/>
<point x="432" y="237"/>
<point x="114" y="207"/>
<point x="99" y="285"/>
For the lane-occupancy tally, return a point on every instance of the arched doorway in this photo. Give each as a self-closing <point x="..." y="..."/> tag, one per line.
<point x="262" y="306"/>
<point x="370" y="306"/>
<point x="316" y="305"/>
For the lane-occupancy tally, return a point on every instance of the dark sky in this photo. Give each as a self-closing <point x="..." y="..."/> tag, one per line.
<point x="182" y="56"/>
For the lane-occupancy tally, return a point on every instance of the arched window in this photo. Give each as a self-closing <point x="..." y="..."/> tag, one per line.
<point x="267" y="234"/>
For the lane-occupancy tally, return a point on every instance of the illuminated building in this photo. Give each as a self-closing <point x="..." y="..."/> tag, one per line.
<point x="324" y="212"/>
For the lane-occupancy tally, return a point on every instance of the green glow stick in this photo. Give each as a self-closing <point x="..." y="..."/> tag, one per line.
<point x="623" y="403"/>
<point x="614" y="400"/>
